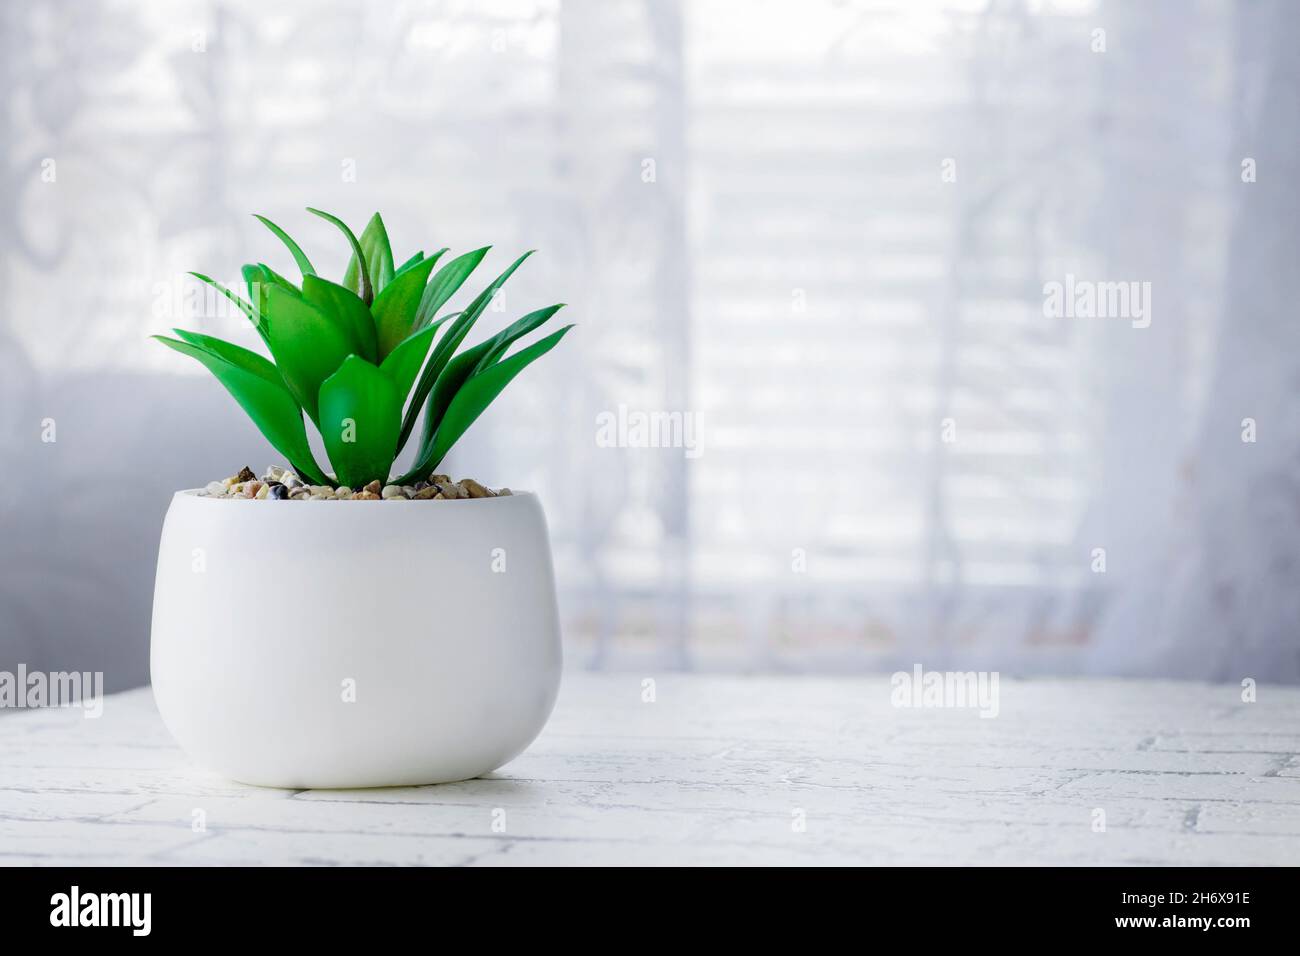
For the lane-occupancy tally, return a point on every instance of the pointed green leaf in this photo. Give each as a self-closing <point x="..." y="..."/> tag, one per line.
<point x="308" y="346"/>
<point x="460" y="328"/>
<point x="445" y="283"/>
<point x="360" y="414"/>
<point x="236" y="355"/>
<point x="267" y="402"/>
<point x="512" y="332"/>
<point x="348" y="311"/>
<point x="256" y="284"/>
<point x="447" y="345"/>
<point x="418" y="257"/>
<point x="475" y="396"/>
<point x="366" y="290"/>
<point x="471" y="361"/>
<point x="260" y="278"/>
<point x="300" y="257"/>
<point x="492" y="357"/>
<point x="403" y="363"/>
<point x="245" y="307"/>
<point x="394" y="309"/>
<point x="378" y="258"/>
<point x="271" y="277"/>
<point x="413" y="407"/>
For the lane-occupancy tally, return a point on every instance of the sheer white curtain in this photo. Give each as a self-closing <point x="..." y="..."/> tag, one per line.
<point x="812" y="237"/>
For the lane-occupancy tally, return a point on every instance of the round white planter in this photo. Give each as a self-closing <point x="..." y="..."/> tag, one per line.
<point x="354" y="644"/>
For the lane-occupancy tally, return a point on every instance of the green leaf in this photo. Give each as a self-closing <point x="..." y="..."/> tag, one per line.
<point x="234" y="354"/>
<point x="445" y="283"/>
<point x="475" y="396"/>
<point x="300" y="257"/>
<point x="492" y="357"/>
<point x="394" y="309"/>
<point x="367" y="290"/>
<point x="245" y="307"/>
<point x="418" y="257"/>
<point x="256" y="284"/>
<point x="259" y="278"/>
<point x="361" y="413"/>
<point x="271" y="277"/>
<point x="403" y="363"/>
<point x="266" y="401"/>
<point x="413" y="408"/>
<point x="348" y="311"/>
<point x="460" y="328"/>
<point x="308" y="347"/>
<point x="472" y="361"/>
<point x="448" y="344"/>
<point x="514" y="331"/>
<point x="378" y="260"/>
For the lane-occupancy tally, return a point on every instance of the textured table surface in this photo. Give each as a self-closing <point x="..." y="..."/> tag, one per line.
<point x="714" y="770"/>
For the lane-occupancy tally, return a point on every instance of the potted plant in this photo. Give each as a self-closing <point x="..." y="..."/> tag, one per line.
<point x="303" y="640"/>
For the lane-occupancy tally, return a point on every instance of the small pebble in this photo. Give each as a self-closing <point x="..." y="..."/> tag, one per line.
<point x="504" y="492"/>
<point x="439" y="479"/>
<point x="245" y="474"/>
<point x="316" y="497"/>
<point x="299" y="493"/>
<point x="263" y="492"/>
<point x="278" y="491"/>
<point x="273" y="473"/>
<point x="365" y="495"/>
<point x="343" y="492"/>
<point x="474" y="489"/>
<point x="374" y="487"/>
<point x="428" y="491"/>
<point x="448" y="489"/>
<point x="216" y="489"/>
<point x="325" y="490"/>
<point x="393" y="491"/>
<point x="252" y="488"/>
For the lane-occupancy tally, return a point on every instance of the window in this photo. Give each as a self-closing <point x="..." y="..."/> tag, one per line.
<point x="810" y="240"/>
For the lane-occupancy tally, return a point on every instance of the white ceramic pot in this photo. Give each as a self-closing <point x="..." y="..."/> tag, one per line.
<point x="354" y="644"/>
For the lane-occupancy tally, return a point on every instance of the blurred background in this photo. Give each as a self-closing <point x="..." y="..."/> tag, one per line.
<point x="819" y="233"/>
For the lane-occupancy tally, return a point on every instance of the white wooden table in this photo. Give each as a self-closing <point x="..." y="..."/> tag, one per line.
<point x="715" y="770"/>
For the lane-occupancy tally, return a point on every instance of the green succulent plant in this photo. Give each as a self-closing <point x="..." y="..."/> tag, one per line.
<point x="359" y="356"/>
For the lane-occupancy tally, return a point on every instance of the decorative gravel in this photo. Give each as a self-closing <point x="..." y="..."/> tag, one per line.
<point x="281" y="484"/>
